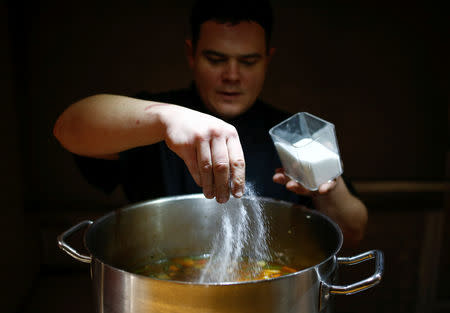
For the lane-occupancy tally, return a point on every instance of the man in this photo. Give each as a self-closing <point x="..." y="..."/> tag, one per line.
<point x="181" y="141"/>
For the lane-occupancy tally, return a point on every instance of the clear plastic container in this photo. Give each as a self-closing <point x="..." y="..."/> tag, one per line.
<point x="308" y="149"/>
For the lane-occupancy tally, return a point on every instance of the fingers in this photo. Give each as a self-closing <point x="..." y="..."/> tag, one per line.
<point x="221" y="168"/>
<point x="297" y="188"/>
<point x="205" y="168"/>
<point x="281" y="178"/>
<point x="237" y="166"/>
<point x="327" y="187"/>
<point x="191" y="162"/>
<point x="209" y="166"/>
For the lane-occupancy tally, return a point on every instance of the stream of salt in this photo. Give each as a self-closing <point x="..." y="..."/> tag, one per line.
<point x="242" y="235"/>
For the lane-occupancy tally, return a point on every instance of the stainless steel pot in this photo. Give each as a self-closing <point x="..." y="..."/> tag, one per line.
<point x="185" y="225"/>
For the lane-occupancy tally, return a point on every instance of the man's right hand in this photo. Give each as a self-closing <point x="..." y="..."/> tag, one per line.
<point x="209" y="147"/>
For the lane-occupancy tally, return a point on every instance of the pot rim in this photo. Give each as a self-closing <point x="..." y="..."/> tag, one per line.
<point x="197" y="196"/>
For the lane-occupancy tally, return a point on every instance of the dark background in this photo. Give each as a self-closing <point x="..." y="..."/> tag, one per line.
<point x="378" y="72"/>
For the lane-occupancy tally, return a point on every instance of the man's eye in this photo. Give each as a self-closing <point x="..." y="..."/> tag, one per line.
<point x="214" y="60"/>
<point x="250" y="61"/>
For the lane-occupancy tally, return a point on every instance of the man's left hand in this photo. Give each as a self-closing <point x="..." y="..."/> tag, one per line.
<point x="281" y="178"/>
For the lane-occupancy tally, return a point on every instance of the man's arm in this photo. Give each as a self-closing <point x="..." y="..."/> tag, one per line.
<point x="345" y="209"/>
<point x="335" y="200"/>
<point x="101" y="126"/>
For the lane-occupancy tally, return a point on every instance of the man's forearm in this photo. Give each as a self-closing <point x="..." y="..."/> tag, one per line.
<point x="346" y="210"/>
<point x="104" y="125"/>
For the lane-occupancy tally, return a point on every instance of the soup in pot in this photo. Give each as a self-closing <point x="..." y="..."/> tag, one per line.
<point x="189" y="269"/>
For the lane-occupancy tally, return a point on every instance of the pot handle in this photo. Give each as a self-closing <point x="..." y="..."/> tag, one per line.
<point x="327" y="290"/>
<point x="363" y="284"/>
<point x="68" y="249"/>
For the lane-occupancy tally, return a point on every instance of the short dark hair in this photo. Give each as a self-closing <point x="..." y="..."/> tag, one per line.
<point x="231" y="11"/>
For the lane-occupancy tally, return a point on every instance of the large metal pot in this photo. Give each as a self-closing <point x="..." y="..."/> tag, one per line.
<point x="186" y="225"/>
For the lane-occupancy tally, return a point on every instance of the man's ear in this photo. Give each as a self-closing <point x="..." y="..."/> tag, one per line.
<point x="270" y="54"/>
<point x="189" y="50"/>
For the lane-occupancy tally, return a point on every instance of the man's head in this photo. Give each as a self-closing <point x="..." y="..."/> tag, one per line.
<point x="232" y="11"/>
<point x="229" y="52"/>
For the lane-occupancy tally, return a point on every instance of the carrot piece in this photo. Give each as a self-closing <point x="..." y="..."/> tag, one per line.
<point x="201" y="261"/>
<point x="186" y="262"/>
<point x="288" y="269"/>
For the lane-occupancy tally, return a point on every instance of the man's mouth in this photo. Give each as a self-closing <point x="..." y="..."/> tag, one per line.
<point x="229" y="94"/>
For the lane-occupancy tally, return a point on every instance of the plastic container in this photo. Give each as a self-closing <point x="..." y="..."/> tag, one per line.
<point x="308" y="149"/>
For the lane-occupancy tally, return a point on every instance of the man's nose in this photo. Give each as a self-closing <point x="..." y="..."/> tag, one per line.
<point x="231" y="71"/>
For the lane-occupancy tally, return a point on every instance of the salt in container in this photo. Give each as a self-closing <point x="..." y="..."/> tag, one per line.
<point x="308" y="149"/>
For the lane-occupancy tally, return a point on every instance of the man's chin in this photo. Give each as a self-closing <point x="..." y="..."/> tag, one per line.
<point x="229" y="111"/>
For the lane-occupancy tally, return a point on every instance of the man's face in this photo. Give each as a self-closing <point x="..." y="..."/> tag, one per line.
<point x="229" y="65"/>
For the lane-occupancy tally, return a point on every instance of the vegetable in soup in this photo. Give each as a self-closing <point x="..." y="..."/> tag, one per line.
<point x="189" y="269"/>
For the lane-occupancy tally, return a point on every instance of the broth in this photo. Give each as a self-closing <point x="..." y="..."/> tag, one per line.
<point x="189" y="269"/>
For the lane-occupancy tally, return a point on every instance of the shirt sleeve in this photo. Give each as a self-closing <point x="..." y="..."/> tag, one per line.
<point x="350" y="186"/>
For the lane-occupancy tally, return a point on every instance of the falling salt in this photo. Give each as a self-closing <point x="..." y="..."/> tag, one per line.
<point x="242" y="234"/>
<point x="309" y="162"/>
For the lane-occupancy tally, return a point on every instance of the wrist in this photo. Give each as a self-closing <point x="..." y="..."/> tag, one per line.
<point x="159" y="115"/>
